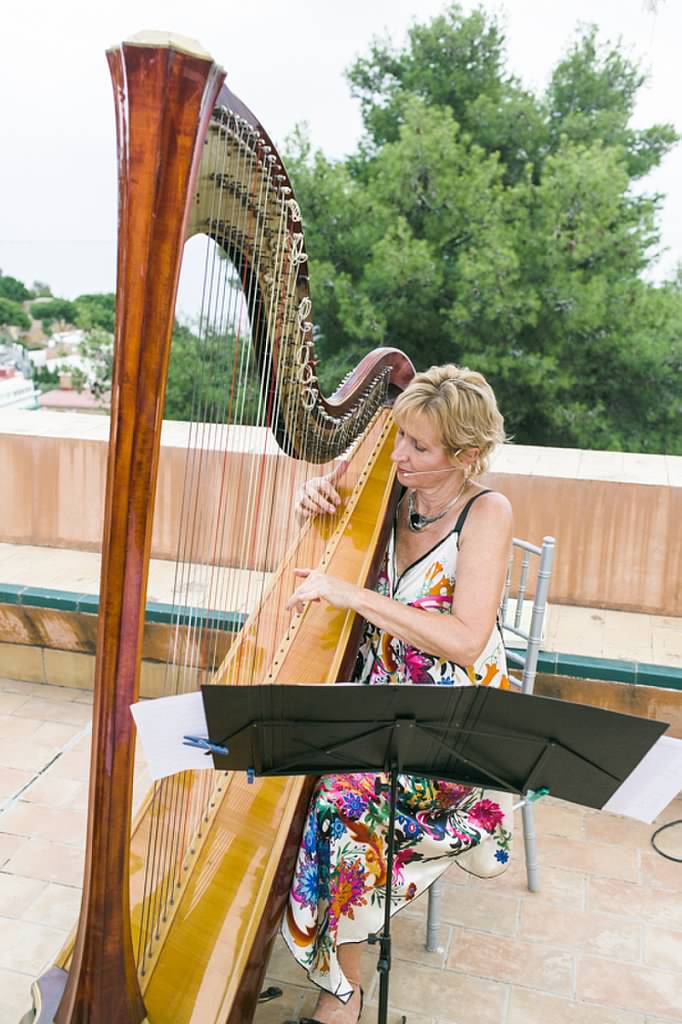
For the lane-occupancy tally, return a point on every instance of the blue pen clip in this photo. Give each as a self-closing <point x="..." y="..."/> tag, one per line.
<point x="202" y="743"/>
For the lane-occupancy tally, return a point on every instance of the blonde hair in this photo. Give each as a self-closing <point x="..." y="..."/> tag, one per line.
<point x="462" y="407"/>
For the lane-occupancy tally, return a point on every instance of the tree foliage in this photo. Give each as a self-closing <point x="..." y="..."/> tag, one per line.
<point x="11" y="314"/>
<point x="52" y="311"/>
<point x="95" y="310"/>
<point x="11" y="288"/>
<point x="480" y="223"/>
<point x="203" y="372"/>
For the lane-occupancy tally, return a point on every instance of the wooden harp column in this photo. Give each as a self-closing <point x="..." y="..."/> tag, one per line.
<point x="164" y="99"/>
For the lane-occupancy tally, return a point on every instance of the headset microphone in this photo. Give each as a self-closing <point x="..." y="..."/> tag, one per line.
<point x="430" y="472"/>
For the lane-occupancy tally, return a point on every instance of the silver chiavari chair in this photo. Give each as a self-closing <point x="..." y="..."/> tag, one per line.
<point x="521" y="618"/>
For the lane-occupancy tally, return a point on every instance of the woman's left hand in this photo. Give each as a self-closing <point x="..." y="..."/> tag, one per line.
<point x="317" y="586"/>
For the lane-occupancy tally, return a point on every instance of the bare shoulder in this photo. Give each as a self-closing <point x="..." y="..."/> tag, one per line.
<point x="491" y="513"/>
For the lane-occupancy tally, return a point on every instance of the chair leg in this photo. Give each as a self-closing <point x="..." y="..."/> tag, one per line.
<point x="529" y="844"/>
<point x="433" y="917"/>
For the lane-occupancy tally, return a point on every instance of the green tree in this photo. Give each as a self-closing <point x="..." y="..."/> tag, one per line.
<point x="482" y="224"/>
<point x="95" y="310"/>
<point x="11" y="314"/>
<point x="202" y="380"/>
<point x="54" y="311"/>
<point x="202" y="375"/>
<point x="97" y="347"/>
<point x="44" y="378"/>
<point x="11" y="288"/>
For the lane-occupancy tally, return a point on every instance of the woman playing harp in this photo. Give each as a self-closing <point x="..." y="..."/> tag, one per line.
<point x="448" y="554"/>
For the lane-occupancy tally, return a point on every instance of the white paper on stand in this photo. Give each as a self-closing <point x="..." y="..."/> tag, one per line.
<point x="162" y="725"/>
<point x="656" y="781"/>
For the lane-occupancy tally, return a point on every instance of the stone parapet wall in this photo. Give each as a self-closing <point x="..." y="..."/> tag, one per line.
<point x="615" y="516"/>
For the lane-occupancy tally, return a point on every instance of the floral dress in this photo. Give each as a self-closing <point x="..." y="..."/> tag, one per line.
<point x="338" y="892"/>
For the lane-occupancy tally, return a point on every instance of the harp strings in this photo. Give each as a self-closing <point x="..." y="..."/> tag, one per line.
<point x="205" y="587"/>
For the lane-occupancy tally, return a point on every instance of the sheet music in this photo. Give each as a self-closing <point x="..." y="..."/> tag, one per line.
<point x="656" y="781"/>
<point x="161" y="726"/>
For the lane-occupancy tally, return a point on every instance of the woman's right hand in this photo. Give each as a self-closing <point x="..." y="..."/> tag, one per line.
<point x="319" y="494"/>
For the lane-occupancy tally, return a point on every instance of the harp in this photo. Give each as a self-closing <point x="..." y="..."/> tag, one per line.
<point x="179" y="908"/>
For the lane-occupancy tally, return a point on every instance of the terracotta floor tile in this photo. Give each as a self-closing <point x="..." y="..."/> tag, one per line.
<point x="395" y="1014"/>
<point x="9" y="685"/>
<point x="52" y="862"/>
<point x="419" y="989"/>
<point x="86" y="697"/>
<point x="559" y="818"/>
<point x="13" y="726"/>
<point x="409" y="938"/>
<point x="617" y="830"/>
<point x="589" y="858"/>
<point x="15" y="995"/>
<point x="52" y="791"/>
<point x="641" y="902"/>
<point x="480" y="910"/>
<point x="556" y="886"/>
<point x="84" y="741"/>
<point x="12" y="782"/>
<point x="9" y="845"/>
<point x="529" y="1007"/>
<point x="56" y="906"/>
<point x="288" y="1005"/>
<point x="28" y="947"/>
<point x="59" y="694"/>
<point x="58" y="823"/>
<point x="660" y="872"/>
<point x="17" y="893"/>
<point x="521" y="963"/>
<point x="640" y="989"/>
<point x="663" y="947"/>
<point x="56" y="732"/>
<point x="25" y="755"/>
<point x="580" y="930"/>
<point x="9" y="702"/>
<point x="72" y="712"/>
<point x="70" y="765"/>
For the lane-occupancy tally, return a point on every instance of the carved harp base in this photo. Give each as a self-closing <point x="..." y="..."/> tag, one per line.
<point x="47" y="994"/>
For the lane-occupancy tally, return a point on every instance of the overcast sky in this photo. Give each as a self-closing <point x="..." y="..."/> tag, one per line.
<point x="287" y="62"/>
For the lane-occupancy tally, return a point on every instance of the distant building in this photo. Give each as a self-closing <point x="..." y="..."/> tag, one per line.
<point x="65" y="398"/>
<point x="16" y="391"/>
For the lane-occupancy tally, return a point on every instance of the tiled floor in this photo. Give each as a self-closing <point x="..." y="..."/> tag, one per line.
<point x="601" y="944"/>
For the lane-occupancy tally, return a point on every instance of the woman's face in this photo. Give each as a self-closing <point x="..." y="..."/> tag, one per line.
<point x="419" y="455"/>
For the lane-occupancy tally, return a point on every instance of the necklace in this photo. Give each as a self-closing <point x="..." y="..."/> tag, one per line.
<point x="417" y="522"/>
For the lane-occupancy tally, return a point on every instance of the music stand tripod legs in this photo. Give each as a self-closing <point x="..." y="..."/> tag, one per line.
<point x="384" y="937"/>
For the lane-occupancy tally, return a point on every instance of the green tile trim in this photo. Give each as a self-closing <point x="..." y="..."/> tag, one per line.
<point x="578" y="666"/>
<point x="11" y="593"/>
<point x="156" y="611"/>
<point x="88" y="604"/>
<point x="581" y="666"/>
<point x="212" y="619"/>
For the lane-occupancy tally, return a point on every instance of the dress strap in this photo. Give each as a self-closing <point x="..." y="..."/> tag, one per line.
<point x="461" y="519"/>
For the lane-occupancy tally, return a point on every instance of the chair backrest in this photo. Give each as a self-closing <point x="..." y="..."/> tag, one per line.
<point x="524" y="604"/>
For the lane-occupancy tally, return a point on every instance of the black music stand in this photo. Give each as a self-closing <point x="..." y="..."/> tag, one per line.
<point x="519" y="743"/>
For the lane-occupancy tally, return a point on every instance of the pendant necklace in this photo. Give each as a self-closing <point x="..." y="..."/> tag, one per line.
<point x="417" y="522"/>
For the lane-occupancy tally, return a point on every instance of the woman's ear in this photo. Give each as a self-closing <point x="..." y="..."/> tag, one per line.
<point x="467" y="457"/>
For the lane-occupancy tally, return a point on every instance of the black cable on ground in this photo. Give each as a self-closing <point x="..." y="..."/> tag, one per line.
<point x="668" y="856"/>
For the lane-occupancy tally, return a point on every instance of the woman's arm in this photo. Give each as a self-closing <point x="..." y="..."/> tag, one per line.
<point x="485" y="545"/>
